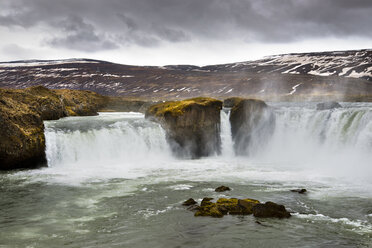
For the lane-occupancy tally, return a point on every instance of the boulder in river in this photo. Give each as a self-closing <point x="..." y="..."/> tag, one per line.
<point x="300" y="191"/>
<point x="252" y="124"/>
<point x="222" y="189"/>
<point x="270" y="209"/>
<point x="189" y="202"/>
<point x="224" y="206"/>
<point x="192" y="126"/>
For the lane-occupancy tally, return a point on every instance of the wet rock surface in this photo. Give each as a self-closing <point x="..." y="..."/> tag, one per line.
<point x="189" y="202"/>
<point x="252" y="124"/>
<point x="235" y="206"/>
<point x="192" y="125"/>
<point x="270" y="210"/>
<point x="231" y="101"/>
<point x="222" y="189"/>
<point x="300" y="191"/>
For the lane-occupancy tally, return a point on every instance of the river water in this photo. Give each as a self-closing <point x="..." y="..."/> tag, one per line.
<point x="112" y="181"/>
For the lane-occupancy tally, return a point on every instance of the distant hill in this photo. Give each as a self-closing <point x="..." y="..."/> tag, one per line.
<point x="307" y="76"/>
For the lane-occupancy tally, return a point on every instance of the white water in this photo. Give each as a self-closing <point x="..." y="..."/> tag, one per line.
<point x="107" y="146"/>
<point x="306" y="145"/>
<point x="226" y="140"/>
<point x="337" y="142"/>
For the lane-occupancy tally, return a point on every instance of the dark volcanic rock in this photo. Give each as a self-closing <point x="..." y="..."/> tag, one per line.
<point x="206" y="201"/>
<point x="270" y="209"/>
<point x="222" y="189"/>
<point x="192" y="126"/>
<point x="252" y="124"/>
<point x="300" y="191"/>
<point x="189" y="202"/>
<point x="327" y="105"/>
<point x="231" y="102"/>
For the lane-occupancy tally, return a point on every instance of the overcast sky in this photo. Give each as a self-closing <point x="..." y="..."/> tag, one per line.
<point x="160" y="32"/>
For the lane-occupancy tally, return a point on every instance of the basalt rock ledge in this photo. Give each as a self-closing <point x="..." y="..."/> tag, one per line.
<point x="192" y="126"/>
<point x="252" y="123"/>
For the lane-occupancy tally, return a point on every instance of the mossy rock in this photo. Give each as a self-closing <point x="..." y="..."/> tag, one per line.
<point x="236" y="206"/>
<point x="178" y="108"/>
<point x="224" y="206"/>
<point x="192" y="125"/>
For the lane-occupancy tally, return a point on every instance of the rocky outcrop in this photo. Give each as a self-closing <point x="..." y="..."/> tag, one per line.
<point x="270" y="210"/>
<point x="192" y="125"/>
<point x="231" y="101"/>
<point x="252" y="123"/>
<point x="189" y="202"/>
<point x="327" y="105"/>
<point x="234" y="206"/>
<point x="22" y="112"/>
<point x="222" y="188"/>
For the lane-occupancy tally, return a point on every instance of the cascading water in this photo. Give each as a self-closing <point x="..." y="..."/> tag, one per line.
<point x="113" y="142"/>
<point x="303" y="137"/>
<point x="226" y="140"/>
<point x="337" y="140"/>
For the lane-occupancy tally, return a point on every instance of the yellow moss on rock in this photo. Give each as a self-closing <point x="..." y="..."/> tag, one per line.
<point x="177" y="108"/>
<point x="225" y="206"/>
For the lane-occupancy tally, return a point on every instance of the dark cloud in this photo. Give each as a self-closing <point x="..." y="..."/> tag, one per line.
<point x="96" y="24"/>
<point x="79" y="35"/>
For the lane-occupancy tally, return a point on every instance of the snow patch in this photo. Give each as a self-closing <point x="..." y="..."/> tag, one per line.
<point x="294" y="89"/>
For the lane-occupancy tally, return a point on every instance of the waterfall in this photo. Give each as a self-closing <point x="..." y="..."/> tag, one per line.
<point x="303" y="137"/>
<point x="121" y="138"/>
<point x="306" y="130"/>
<point x="226" y="140"/>
<point x="337" y="140"/>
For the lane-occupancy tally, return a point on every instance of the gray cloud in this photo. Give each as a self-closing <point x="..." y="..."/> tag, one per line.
<point x="79" y="35"/>
<point x="91" y="25"/>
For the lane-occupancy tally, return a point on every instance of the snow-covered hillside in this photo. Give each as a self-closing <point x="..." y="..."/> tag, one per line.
<point x="354" y="64"/>
<point x="292" y="75"/>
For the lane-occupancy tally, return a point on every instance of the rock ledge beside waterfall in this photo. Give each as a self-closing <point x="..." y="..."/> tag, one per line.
<point x="192" y="125"/>
<point x="252" y="123"/>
